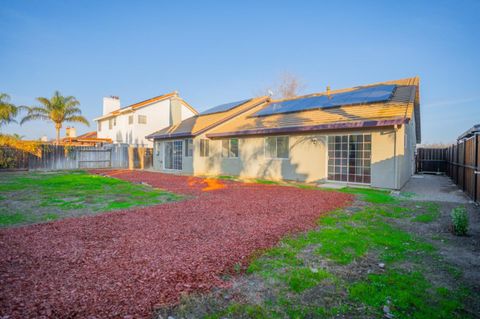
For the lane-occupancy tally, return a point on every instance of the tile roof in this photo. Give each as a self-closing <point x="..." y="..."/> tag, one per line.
<point x="201" y="123"/>
<point x="399" y="109"/>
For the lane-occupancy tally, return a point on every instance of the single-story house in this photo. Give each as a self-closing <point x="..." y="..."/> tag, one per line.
<point x="361" y="135"/>
<point x="130" y="124"/>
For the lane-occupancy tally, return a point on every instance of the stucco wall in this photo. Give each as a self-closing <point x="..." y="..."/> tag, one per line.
<point x="158" y="159"/>
<point x="307" y="158"/>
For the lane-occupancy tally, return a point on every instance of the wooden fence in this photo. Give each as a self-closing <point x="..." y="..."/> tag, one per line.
<point x="463" y="165"/>
<point x="59" y="157"/>
<point x="431" y="160"/>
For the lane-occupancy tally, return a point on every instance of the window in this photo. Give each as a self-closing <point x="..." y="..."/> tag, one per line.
<point x="173" y="155"/>
<point x="230" y="148"/>
<point x="189" y="147"/>
<point x="130" y="119"/>
<point x="110" y="124"/>
<point x="349" y="158"/>
<point x="114" y="121"/>
<point x="99" y="124"/>
<point x="276" y="147"/>
<point x="204" y="148"/>
<point x="142" y="119"/>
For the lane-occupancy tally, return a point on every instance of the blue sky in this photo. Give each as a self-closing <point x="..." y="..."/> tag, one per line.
<point x="214" y="52"/>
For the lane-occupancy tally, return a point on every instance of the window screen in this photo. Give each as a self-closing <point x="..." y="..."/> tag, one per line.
<point x="276" y="147"/>
<point x="142" y="119"/>
<point x="189" y="147"/>
<point x="204" y="148"/>
<point x="173" y="155"/>
<point x="230" y="148"/>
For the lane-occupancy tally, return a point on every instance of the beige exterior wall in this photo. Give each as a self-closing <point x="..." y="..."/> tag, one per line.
<point x="391" y="158"/>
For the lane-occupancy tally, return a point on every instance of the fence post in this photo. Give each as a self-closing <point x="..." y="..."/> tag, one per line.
<point x="477" y="168"/>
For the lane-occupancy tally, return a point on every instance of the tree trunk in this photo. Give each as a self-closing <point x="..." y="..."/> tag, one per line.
<point x="58" y="126"/>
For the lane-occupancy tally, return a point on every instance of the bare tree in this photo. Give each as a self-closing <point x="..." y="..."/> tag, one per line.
<point x="287" y="86"/>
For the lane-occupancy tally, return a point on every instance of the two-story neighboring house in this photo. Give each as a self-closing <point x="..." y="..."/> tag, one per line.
<point x="130" y="124"/>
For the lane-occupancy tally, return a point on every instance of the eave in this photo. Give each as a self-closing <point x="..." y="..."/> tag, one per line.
<point x="313" y="128"/>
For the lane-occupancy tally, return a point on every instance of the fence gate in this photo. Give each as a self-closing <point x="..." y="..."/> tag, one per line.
<point x="431" y="160"/>
<point x="94" y="158"/>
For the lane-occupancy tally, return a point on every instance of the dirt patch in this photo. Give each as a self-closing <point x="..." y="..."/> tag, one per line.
<point x="127" y="263"/>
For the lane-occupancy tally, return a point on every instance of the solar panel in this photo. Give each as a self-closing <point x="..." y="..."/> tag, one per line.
<point x="223" y="107"/>
<point x="372" y="94"/>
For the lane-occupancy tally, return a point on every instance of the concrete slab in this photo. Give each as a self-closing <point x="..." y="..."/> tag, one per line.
<point x="434" y="188"/>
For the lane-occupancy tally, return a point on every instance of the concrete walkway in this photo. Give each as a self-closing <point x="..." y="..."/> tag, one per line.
<point x="434" y="188"/>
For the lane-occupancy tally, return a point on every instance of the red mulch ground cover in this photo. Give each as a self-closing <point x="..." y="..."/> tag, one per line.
<point x="124" y="263"/>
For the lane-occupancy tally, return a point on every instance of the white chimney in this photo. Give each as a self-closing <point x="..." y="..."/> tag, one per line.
<point x="71" y="132"/>
<point x="110" y="104"/>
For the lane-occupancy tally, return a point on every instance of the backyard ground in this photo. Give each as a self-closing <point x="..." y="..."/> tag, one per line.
<point x="219" y="248"/>
<point x="128" y="262"/>
<point x="382" y="257"/>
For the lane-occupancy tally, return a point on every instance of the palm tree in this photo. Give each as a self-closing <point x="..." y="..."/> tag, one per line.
<point x="57" y="109"/>
<point x="8" y="111"/>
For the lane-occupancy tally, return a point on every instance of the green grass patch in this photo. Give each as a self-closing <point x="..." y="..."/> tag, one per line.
<point x="266" y="182"/>
<point x="432" y="214"/>
<point x="410" y="295"/>
<point x="370" y="195"/>
<point x="65" y="191"/>
<point x="226" y="177"/>
<point x="237" y="310"/>
<point x="12" y="219"/>
<point x="50" y="217"/>
<point x="301" y="278"/>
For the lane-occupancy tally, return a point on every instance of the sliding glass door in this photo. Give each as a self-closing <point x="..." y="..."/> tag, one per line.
<point x="349" y="158"/>
<point x="173" y="155"/>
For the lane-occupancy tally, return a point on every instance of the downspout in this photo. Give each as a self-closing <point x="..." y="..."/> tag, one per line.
<point x="395" y="165"/>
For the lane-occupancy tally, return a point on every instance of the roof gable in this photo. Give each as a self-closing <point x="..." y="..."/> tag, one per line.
<point x="203" y="122"/>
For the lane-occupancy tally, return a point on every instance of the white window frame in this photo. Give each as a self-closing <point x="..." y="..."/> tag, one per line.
<point x="276" y="147"/>
<point x="131" y="119"/>
<point x="207" y="145"/>
<point x="328" y="157"/>
<point x="165" y="155"/>
<point x="230" y="147"/>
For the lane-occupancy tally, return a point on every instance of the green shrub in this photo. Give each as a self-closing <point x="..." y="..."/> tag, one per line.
<point x="459" y="221"/>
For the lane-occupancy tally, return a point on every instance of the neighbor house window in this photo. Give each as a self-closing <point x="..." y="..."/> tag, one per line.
<point x="230" y="148"/>
<point x="110" y="124"/>
<point x="189" y="147"/>
<point x="130" y="119"/>
<point x="99" y="123"/>
<point x="204" y="148"/>
<point x="142" y="119"/>
<point x="349" y="158"/>
<point x="276" y="147"/>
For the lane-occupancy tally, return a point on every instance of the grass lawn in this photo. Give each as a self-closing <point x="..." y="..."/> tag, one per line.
<point x="44" y="196"/>
<point x="372" y="260"/>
